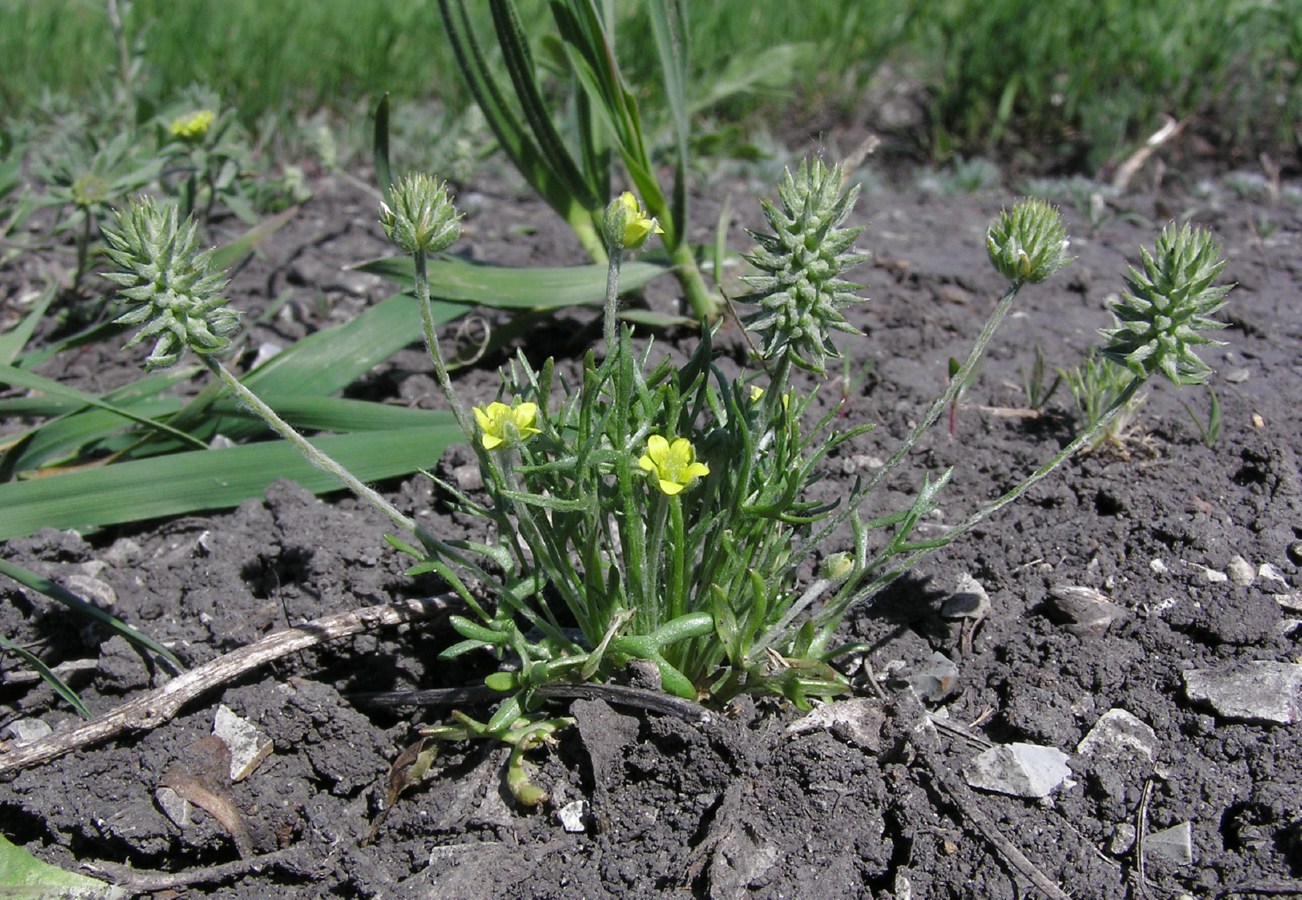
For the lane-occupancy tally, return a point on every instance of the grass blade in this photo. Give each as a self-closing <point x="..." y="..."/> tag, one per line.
<point x="47" y="674"/>
<point x="209" y="479"/>
<point x="380" y="148"/>
<point x="32" y="382"/>
<point x="13" y="341"/>
<point x="499" y="287"/>
<point x="39" y="583"/>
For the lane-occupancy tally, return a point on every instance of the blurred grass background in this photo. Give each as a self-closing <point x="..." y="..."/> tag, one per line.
<point x="1069" y="86"/>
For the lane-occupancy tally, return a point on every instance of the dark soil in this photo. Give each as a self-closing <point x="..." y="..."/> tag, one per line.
<point x="745" y="804"/>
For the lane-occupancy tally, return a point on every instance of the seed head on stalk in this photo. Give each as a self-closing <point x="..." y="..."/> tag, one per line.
<point x="174" y="291"/>
<point x="801" y="292"/>
<point x="1161" y="317"/>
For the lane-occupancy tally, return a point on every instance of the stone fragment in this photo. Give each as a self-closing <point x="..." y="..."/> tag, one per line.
<point x="571" y="816"/>
<point x="1119" y="734"/>
<point x="1240" y="571"/>
<point x="1157" y="566"/>
<point x="936" y="678"/>
<point x="174" y="806"/>
<point x="1174" y="843"/>
<point x="1020" y="770"/>
<point x="1215" y="576"/>
<point x="95" y="591"/>
<point x="248" y="745"/>
<point x="856" y="721"/>
<point x="1083" y="611"/>
<point x="1291" y="601"/>
<point x="1123" y="838"/>
<point x="1267" y="572"/>
<point x="969" y="600"/>
<point x="27" y="730"/>
<point x="1258" y="692"/>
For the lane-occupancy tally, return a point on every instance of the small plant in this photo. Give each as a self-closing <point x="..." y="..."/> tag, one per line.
<point x="657" y="517"/>
<point x="1210" y="430"/>
<point x="1095" y="385"/>
<point x="1035" y="389"/>
<point x="206" y="157"/>
<point x="85" y="178"/>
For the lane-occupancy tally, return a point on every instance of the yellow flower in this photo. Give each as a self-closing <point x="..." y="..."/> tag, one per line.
<point x="193" y="126"/>
<point x="755" y="393"/>
<point x="506" y="425"/>
<point x="673" y="464"/>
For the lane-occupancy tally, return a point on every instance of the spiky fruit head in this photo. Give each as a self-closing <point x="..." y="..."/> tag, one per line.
<point x="801" y="292"/>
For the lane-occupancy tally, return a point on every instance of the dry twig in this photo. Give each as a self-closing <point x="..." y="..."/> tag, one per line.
<point x="150" y="710"/>
<point x="148" y="881"/>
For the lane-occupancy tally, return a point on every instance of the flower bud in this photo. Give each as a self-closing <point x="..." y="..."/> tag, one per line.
<point x="626" y="225"/>
<point x="1028" y="243"/>
<point x="422" y="218"/>
<point x="837" y="567"/>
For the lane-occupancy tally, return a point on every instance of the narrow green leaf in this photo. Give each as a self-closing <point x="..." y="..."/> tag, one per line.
<point x="499" y="287"/>
<point x="15" y="339"/>
<point x="519" y="65"/>
<point x="209" y="479"/>
<point x="59" y="686"/>
<point x="33" y="382"/>
<point x="380" y="147"/>
<point x="669" y="27"/>
<point x="57" y="592"/>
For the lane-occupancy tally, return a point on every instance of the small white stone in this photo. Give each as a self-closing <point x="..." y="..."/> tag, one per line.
<point x="1258" y="692"/>
<point x="1240" y="571"/>
<point x="1215" y="576"/>
<point x="174" y="806"/>
<point x="1156" y="566"/>
<point x="93" y="590"/>
<point x="1123" y="838"/>
<point x="1118" y="733"/>
<point x="1174" y="843"/>
<point x="248" y="745"/>
<point x="1291" y="601"/>
<point x="858" y="721"/>
<point x="27" y="730"/>
<point x="1020" y="770"/>
<point x="571" y="816"/>
<point x="1267" y="572"/>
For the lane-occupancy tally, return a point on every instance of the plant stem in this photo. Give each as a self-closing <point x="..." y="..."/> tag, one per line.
<point x="432" y="346"/>
<point x="952" y="390"/>
<point x="705" y="305"/>
<point x="832" y="615"/>
<point x="955" y="387"/>
<point x="610" y="318"/>
<point x="316" y="457"/>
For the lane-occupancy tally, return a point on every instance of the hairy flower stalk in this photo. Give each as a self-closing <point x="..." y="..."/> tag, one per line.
<point x="178" y="296"/>
<point x="801" y="292"/>
<point x="422" y="221"/>
<point x="1026" y="245"/>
